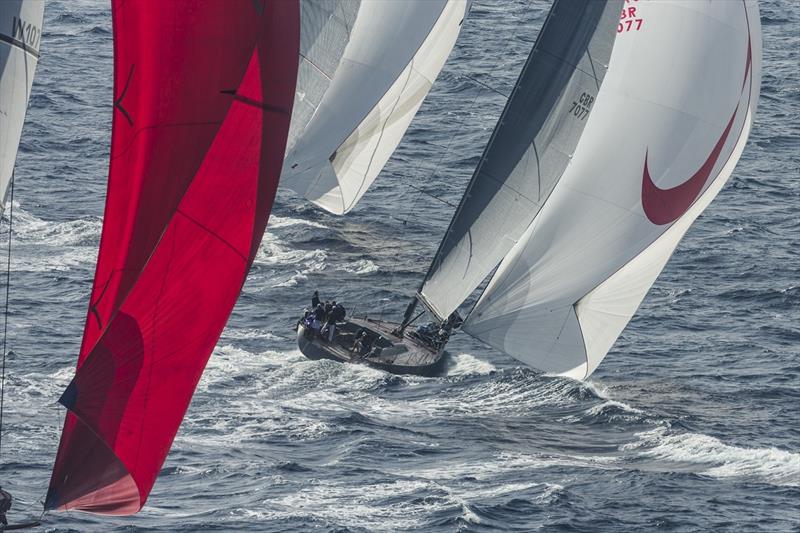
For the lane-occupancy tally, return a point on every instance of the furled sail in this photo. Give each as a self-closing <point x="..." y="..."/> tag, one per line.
<point x="667" y="129"/>
<point x="20" y="36"/>
<point x="529" y="149"/>
<point x="203" y="94"/>
<point x="396" y="50"/>
<point x="325" y="27"/>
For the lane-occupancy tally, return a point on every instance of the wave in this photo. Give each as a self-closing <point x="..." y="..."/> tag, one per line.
<point x="464" y="364"/>
<point x="277" y="222"/>
<point x="273" y="252"/>
<point x="43" y="245"/>
<point x="710" y="456"/>
<point x="362" y="266"/>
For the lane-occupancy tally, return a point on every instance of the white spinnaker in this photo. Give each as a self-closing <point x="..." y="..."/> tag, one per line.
<point x="20" y="35"/>
<point x="678" y="99"/>
<point x="325" y="27"/>
<point x="395" y="52"/>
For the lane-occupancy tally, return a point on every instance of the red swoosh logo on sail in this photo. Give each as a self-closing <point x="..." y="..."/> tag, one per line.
<point x="663" y="206"/>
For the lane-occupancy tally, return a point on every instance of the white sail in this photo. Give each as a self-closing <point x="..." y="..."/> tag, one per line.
<point x="669" y="125"/>
<point x="396" y="50"/>
<point x="529" y="149"/>
<point x="20" y="36"/>
<point x="325" y="27"/>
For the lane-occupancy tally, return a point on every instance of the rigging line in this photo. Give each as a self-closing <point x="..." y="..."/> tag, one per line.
<point x="484" y="84"/>
<point x="5" y="316"/>
<point x="432" y="196"/>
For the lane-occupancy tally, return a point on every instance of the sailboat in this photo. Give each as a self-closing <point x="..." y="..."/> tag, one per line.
<point x="20" y="36"/>
<point x="203" y="95"/>
<point x="566" y="60"/>
<point x="366" y="69"/>
<point x="590" y="181"/>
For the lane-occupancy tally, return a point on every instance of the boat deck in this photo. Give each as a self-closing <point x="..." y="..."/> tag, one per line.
<point x="406" y="355"/>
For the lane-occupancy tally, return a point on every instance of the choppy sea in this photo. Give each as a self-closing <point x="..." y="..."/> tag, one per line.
<point x="692" y="423"/>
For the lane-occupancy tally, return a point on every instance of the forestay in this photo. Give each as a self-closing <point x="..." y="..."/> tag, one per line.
<point x="667" y="129"/>
<point x="396" y="50"/>
<point x="529" y="149"/>
<point x="203" y="94"/>
<point x="20" y="36"/>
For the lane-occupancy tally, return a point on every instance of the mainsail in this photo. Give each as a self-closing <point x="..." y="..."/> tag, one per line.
<point x="396" y="49"/>
<point x="20" y="36"/>
<point x="667" y="129"/>
<point x="529" y="150"/>
<point x="203" y="94"/>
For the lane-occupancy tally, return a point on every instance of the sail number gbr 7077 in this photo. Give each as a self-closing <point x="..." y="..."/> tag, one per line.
<point x="580" y="109"/>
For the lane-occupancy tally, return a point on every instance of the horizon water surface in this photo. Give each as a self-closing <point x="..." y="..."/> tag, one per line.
<point x="692" y="423"/>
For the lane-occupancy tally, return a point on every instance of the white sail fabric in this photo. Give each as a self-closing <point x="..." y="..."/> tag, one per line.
<point x="20" y="36"/>
<point x="669" y="125"/>
<point x="325" y="27"/>
<point x="529" y="148"/>
<point x="396" y="50"/>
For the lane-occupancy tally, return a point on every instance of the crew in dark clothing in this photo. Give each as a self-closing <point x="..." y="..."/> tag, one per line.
<point x="5" y="506"/>
<point x="338" y="313"/>
<point x="315" y="300"/>
<point x="328" y="307"/>
<point x="319" y="312"/>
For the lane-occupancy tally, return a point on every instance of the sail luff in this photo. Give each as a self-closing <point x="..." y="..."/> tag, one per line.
<point x="528" y="151"/>
<point x="147" y="350"/>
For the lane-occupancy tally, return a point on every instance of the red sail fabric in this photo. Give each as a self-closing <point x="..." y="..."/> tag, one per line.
<point x="203" y="97"/>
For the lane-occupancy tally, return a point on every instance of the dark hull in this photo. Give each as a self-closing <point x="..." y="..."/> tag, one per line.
<point x="404" y="356"/>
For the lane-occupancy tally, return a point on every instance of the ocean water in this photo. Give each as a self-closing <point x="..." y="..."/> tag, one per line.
<point x="690" y="424"/>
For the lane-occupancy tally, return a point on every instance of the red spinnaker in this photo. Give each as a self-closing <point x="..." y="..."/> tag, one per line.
<point x="202" y="103"/>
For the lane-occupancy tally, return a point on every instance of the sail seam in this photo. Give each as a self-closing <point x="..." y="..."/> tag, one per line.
<point x="316" y="67"/>
<point x="211" y="232"/>
<point x="380" y="136"/>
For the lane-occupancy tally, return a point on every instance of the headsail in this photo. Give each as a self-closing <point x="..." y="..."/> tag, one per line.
<point x="529" y="149"/>
<point x="203" y="94"/>
<point x="325" y="27"/>
<point x="20" y="36"/>
<point x="396" y="50"/>
<point x="668" y="127"/>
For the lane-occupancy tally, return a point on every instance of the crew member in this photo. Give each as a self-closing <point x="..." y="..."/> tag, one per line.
<point x="339" y="313"/>
<point x="358" y="344"/>
<point x="315" y="300"/>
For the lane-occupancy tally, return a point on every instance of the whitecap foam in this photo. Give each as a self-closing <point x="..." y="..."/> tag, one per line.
<point x="276" y="222"/>
<point x="714" y="458"/>
<point x="273" y="253"/>
<point x="42" y="245"/>
<point x="465" y="364"/>
<point x="251" y="333"/>
<point x="360" y="267"/>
